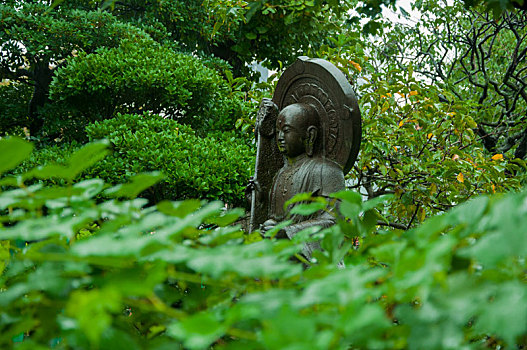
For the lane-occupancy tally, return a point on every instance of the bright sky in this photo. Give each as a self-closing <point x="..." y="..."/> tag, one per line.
<point x="393" y="16"/>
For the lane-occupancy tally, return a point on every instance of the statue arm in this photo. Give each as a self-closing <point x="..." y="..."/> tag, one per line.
<point x="323" y="219"/>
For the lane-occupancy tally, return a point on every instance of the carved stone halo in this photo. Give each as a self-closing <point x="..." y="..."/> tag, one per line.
<point x="320" y="84"/>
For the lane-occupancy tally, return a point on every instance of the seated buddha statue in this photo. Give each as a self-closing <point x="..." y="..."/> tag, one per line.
<point x="308" y="137"/>
<point x="304" y="170"/>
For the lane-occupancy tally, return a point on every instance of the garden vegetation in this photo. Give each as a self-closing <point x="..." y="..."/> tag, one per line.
<point x="126" y="145"/>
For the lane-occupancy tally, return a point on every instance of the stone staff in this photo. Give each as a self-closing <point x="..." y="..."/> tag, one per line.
<point x="264" y="132"/>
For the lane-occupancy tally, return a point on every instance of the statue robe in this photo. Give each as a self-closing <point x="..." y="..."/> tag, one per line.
<point x="319" y="176"/>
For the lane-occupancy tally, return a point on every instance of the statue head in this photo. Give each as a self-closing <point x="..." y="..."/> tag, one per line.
<point x="297" y="127"/>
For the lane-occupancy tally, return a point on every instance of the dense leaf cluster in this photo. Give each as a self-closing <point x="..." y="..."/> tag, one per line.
<point x="85" y="64"/>
<point x="79" y="63"/>
<point x="80" y="273"/>
<point x="443" y="122"/>
<point x="35" y="41"/>
<point x="241" y="32"/>
<point x="15" y="97"/>
<point x="213" y="167"/>
<point x="146" y="76"/>
<point x="479" y="59"/>
<point x="422" y="140"/>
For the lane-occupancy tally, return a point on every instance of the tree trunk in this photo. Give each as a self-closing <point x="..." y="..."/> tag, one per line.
<point x="521" y="151"/>
<point x="224" y="52"/>
<point x="42" y="75"/>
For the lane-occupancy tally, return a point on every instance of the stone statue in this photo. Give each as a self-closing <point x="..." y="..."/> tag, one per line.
<point x="308" y="139"/>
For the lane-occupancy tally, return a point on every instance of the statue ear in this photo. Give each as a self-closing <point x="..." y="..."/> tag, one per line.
<point x="312" y="132"/>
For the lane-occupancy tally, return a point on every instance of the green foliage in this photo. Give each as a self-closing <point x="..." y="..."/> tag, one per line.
<point x="496" y="7"/>
<point x="55" y="35"/>
<point x="484" y="79"/>
<point x="435" y="159"/>
<point x="57" y="154"/>
<point x="143" y="75"/>
<point x="212" y="167"/>
<point x="178" y="274"/>
<point x="101" y="75"/>
<point x="19" y="150"/>
<point x="36" y="41"/>
<point x="216" y="166"/>
<point x="244" y="31"/>
<point x="78" y="270"/>
<point x="420" y="138"/>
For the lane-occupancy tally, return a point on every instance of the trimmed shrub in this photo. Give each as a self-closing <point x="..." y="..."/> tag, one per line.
<point x="143" y="75"/>
<point x="214" y="167"/>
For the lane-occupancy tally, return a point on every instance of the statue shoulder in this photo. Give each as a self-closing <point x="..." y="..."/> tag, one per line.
<point x="328" y="167"/>
<point x="327" y="175"/>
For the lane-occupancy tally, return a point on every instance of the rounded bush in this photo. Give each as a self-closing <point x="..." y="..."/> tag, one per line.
<point x="212" y="167"/>
<point x="142" y="75"/>
<point x="215" y="167"/>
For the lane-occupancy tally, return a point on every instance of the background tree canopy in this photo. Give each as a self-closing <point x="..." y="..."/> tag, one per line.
<point x="443" y="106"/>
<point x="104" y="245"/>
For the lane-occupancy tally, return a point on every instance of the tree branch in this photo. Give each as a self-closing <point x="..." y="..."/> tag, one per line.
<point x="392" y="224"/>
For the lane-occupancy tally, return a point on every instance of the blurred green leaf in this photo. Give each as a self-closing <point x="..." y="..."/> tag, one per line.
<point x="13" y="151"/>
<point x="137" y="184"/>
<point x="198" y="331"/>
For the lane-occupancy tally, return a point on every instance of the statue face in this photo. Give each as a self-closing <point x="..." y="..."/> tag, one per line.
<point x="291" y="132"/>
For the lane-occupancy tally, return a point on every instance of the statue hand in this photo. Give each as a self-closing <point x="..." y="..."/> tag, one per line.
<point x="267" y="103"/>
<point x="269" y="225"/>
<point x="265" y="120"/>
<point x="253" y="185"/>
